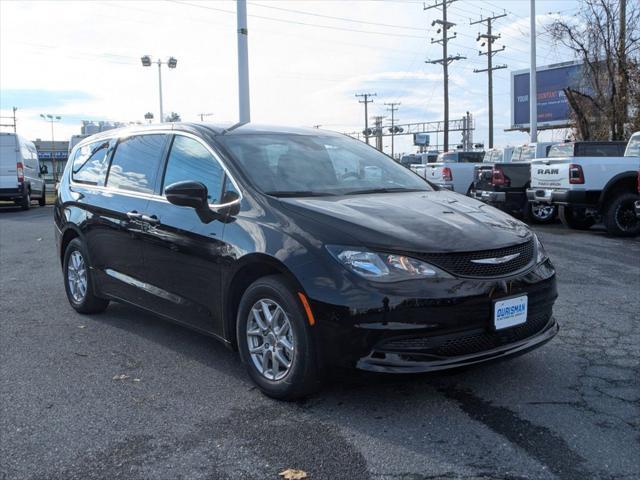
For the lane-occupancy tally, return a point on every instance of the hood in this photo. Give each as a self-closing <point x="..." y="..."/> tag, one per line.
<point x="437" y="221"/>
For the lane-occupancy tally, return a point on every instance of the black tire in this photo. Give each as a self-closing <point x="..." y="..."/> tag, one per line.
<point x="619" y="216"/>
<point x="42" y="201"/>
<point x="89" y="303"/>
<point x="534" y="214"/>
<point x="25" y="202"/>
<point x="575" y="218"/>
<point x="302" y="377"/>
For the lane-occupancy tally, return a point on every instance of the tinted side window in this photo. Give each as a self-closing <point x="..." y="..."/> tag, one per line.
<point x="190" y="160"/>
<point x="135" y="163"/>
<point x="90" y="163"/>
<point x="601" y="150"/>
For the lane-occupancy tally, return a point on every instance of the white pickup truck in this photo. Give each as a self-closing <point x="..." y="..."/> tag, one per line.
<point x="453" y="170"/>
<point x="588" y="189"/>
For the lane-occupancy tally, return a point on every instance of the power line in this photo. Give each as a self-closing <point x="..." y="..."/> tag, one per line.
<point x="446" y="59"/>
<point x="488" y="39"/>
<point x="296" y="22"/>
<point x="343" y="19"/>
<point x="366" y="102"/>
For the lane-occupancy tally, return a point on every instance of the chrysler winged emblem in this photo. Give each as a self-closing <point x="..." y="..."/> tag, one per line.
<point x="496" y="260"/>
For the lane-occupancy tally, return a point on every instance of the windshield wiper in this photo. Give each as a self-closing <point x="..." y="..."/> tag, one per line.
<point x="383" y="190"/>
<point x="298" y="193"/>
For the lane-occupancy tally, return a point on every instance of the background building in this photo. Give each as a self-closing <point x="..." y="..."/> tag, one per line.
<point x="48" y="152"/>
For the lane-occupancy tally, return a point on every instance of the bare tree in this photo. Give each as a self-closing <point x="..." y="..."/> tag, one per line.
<point x="605" y="36"/>
<point x="172" y="117"/>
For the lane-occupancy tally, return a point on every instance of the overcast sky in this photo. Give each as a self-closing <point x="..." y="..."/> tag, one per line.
<point x="307" y="60"/>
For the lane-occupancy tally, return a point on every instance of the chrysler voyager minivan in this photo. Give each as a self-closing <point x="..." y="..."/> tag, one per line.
<point x="302" y="249"/>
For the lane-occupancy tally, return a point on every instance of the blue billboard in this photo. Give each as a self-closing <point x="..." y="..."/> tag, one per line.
<point x="553" y="107"/>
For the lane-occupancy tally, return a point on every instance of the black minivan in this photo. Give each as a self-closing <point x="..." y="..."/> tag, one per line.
<point x="303" y="249"/>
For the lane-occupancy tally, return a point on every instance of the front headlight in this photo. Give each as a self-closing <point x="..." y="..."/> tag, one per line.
<point x="541" y="254"/>
<point x="384" y="267"/>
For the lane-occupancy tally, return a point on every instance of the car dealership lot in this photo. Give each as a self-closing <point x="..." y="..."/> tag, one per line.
<point x="126" y="395"/>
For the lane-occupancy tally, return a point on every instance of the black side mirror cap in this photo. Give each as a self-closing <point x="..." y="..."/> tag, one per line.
<point x="194" y="194"/>
<point x="188" y="194"/>
<point x="44" y="169"/>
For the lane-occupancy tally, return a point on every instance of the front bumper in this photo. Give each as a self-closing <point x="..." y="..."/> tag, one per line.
<point x="425" y="361"/>
<point x="425" y="326"/>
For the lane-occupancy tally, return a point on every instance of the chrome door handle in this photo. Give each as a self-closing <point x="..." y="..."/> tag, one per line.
<point x="134" y="215"/>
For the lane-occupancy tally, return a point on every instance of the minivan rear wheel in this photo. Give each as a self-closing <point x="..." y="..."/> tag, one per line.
<point x="275" y="341"/>
<point x="78" y="282"/>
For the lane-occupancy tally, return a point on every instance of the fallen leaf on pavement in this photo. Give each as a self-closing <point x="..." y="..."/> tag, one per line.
<point x="121" y="377"/>
<point x="82" y="326"/>
<point x="293" y="474"/>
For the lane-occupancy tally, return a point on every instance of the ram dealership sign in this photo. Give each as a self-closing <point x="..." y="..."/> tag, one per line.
<point x="553" y="107"/>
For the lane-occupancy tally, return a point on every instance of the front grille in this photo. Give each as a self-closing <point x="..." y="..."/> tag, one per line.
<point x="464" y="344"/>
<point x="461" y="263"/>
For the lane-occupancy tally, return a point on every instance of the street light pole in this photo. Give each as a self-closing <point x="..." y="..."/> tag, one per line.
<point x="244" y="102"/>
<point x="171" y="63"/>
<point x="160" y="89"/>
<point x="52" y="118"/>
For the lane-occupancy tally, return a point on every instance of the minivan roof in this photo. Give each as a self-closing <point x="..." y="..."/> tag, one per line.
<point x="209" y="128"/>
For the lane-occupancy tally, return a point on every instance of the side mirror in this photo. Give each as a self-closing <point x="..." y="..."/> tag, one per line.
<point x="188" y="194"/>
<point x="194" y="194"/>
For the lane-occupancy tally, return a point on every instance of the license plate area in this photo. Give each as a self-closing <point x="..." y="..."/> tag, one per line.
<point x="510" y="311"/>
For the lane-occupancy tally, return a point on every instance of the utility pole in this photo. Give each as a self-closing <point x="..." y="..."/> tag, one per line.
<point x="533" y="86"/>
<point x="366" y="102"/>
<point x="393" y="108"/>
<point x="13" y="117"/>
<point x="623" y="74"/>
<point x="378" y="131"/>
<point x="446" y="59"/>
<point x="243" y="62"/>
<point x="488" y="39"/>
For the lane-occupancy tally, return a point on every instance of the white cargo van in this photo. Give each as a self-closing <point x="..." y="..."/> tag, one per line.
<point x="21" y="175"/>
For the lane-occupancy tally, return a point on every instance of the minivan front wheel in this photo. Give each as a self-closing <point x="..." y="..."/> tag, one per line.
<point x="274" y="340"/>
<point x="77" y="280"/>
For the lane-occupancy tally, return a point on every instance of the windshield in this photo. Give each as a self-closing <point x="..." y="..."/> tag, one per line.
<point x="309" y="165"/>
<point x="633" y="147"/>
<point x="493" y="156"/>
<point x="561" y="150"/>
<point x="527" y="153"/>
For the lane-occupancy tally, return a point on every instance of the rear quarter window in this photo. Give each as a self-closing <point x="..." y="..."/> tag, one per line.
<point x="90" y="163"/>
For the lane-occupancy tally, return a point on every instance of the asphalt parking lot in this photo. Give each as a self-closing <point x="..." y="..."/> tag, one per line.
<point x="125" y="395"/>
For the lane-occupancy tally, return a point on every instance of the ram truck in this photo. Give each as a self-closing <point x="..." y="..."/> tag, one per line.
<point x="591" y="188"/>
<point x="503" y="184"/>
<point x="453" y="170"/>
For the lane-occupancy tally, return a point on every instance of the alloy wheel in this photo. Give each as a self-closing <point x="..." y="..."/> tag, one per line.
<point x="77" y="276"/>
<point x="626" y="217"/>
<point x="270" y="339"/>
<point x="542" y="211"/>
